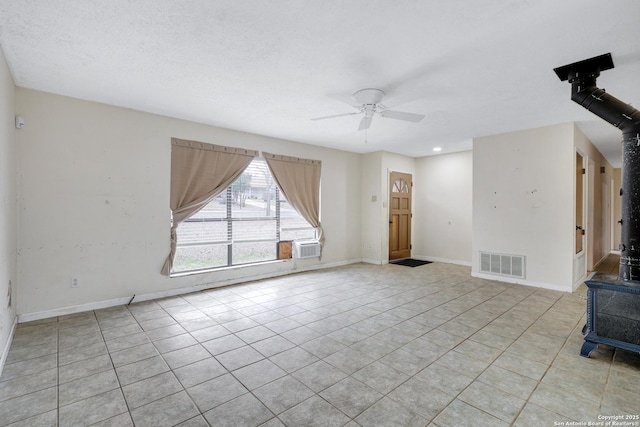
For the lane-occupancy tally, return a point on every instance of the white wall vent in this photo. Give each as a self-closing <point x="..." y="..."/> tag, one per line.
<point x="501" y="264"/>
<point x="306" y="248"/>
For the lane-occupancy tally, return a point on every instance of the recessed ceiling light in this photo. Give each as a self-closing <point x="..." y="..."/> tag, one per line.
<point x="437" y="149"/>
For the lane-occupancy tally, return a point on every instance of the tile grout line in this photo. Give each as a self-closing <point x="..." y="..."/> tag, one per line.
<point x="382" y="294"/>
<point x="58" y="371"/>
<point x="114" y="367"/>
<point x="163" y="359"/>
<point x="412" y="376"/>
<point x="503" y="352"/>
<point x="549" y="366"/>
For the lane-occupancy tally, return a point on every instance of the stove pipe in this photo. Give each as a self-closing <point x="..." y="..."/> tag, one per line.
<point x="582" y="76"/>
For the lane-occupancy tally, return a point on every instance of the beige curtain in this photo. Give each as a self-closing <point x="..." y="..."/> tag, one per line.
<point x="199" y="172"/>
<point x="299" y="180"/>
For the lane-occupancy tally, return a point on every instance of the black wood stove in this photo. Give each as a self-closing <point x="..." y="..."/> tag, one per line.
<point x="613" y="303"/>
<point x="613" y="314"/>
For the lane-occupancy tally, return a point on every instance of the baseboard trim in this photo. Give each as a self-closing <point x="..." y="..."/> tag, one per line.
<point x="505" y="279"/>
<point x="28" y="317"/>
<point x="373" y="261"/>
<point x="442" y="260"/>
<point x="580" y="282"/>
<point x="328" y="265"/>
<point x="597" y="264"/>
<point x="5" y="351"/>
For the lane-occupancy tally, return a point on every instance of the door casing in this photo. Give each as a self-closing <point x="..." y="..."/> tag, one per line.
<point x="400" y="188"/>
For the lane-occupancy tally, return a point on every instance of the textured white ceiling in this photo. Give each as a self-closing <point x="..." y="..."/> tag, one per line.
<point x="474" y="68"/>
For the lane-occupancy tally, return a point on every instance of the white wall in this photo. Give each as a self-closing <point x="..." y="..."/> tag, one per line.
<point x="93" y="187"/>
<point x="523" y="202"/>
<point x="8" y="222"/>
<point x="443" y="200"/>
<point x="93" y="182"/>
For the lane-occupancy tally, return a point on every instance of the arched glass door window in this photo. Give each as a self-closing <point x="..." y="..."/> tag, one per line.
<point x="400" y="186"/>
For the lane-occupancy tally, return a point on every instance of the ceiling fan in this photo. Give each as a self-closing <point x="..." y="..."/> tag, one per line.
<point x="369" y="104"/>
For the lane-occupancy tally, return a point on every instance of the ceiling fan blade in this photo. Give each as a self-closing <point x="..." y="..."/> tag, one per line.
<point x="401" y="115"/>
<point x="365" y="123"/>
<point x="334" y="116"/>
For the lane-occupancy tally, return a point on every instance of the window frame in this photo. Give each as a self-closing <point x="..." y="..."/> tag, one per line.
<point x="230" y="240"/>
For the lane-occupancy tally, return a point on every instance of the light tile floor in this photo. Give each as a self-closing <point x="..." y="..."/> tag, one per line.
<point x="357" y="345"/>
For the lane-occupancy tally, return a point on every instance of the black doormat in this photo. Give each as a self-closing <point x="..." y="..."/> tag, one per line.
<point x="410" y="262"/>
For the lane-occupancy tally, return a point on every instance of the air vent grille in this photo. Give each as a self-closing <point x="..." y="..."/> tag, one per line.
<point x="502" y="264"/>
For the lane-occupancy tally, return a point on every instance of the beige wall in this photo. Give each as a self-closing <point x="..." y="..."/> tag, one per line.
<point x="8" y="220"/>
<point x="443" y="196"/>
<point x="523" y="185"/>
<point x="93" y="186"/>
<point x="94" y="202"/>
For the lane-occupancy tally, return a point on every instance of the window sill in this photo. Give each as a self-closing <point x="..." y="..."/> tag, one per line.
<point x="225" y="268"/>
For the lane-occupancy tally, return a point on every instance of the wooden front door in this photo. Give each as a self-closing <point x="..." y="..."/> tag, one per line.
<point x="400" y="215"/>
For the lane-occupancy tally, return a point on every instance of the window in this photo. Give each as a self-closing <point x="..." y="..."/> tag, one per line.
<point x="400" y="186"/>
<point x="241" y="225"/>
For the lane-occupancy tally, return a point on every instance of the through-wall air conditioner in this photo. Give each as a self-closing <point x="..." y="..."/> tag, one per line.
<point x="306" y="248"/>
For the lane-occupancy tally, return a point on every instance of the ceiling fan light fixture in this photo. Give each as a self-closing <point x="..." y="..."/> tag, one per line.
<point x="369" y="101"/>
<point x="368" y="96"/>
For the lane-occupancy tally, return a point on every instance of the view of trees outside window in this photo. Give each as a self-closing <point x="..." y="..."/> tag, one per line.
<point x="241" y="225"/>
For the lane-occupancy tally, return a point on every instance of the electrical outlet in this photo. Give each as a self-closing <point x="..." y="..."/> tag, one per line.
<point x="75" y="283"/>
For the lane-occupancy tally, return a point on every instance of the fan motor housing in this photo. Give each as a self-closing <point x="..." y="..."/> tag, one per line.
<point x="368" y="96"/>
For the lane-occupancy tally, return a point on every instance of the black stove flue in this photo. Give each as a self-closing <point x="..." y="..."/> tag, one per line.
<point x="582" y="75"/>
<point x="613" y="303"/>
